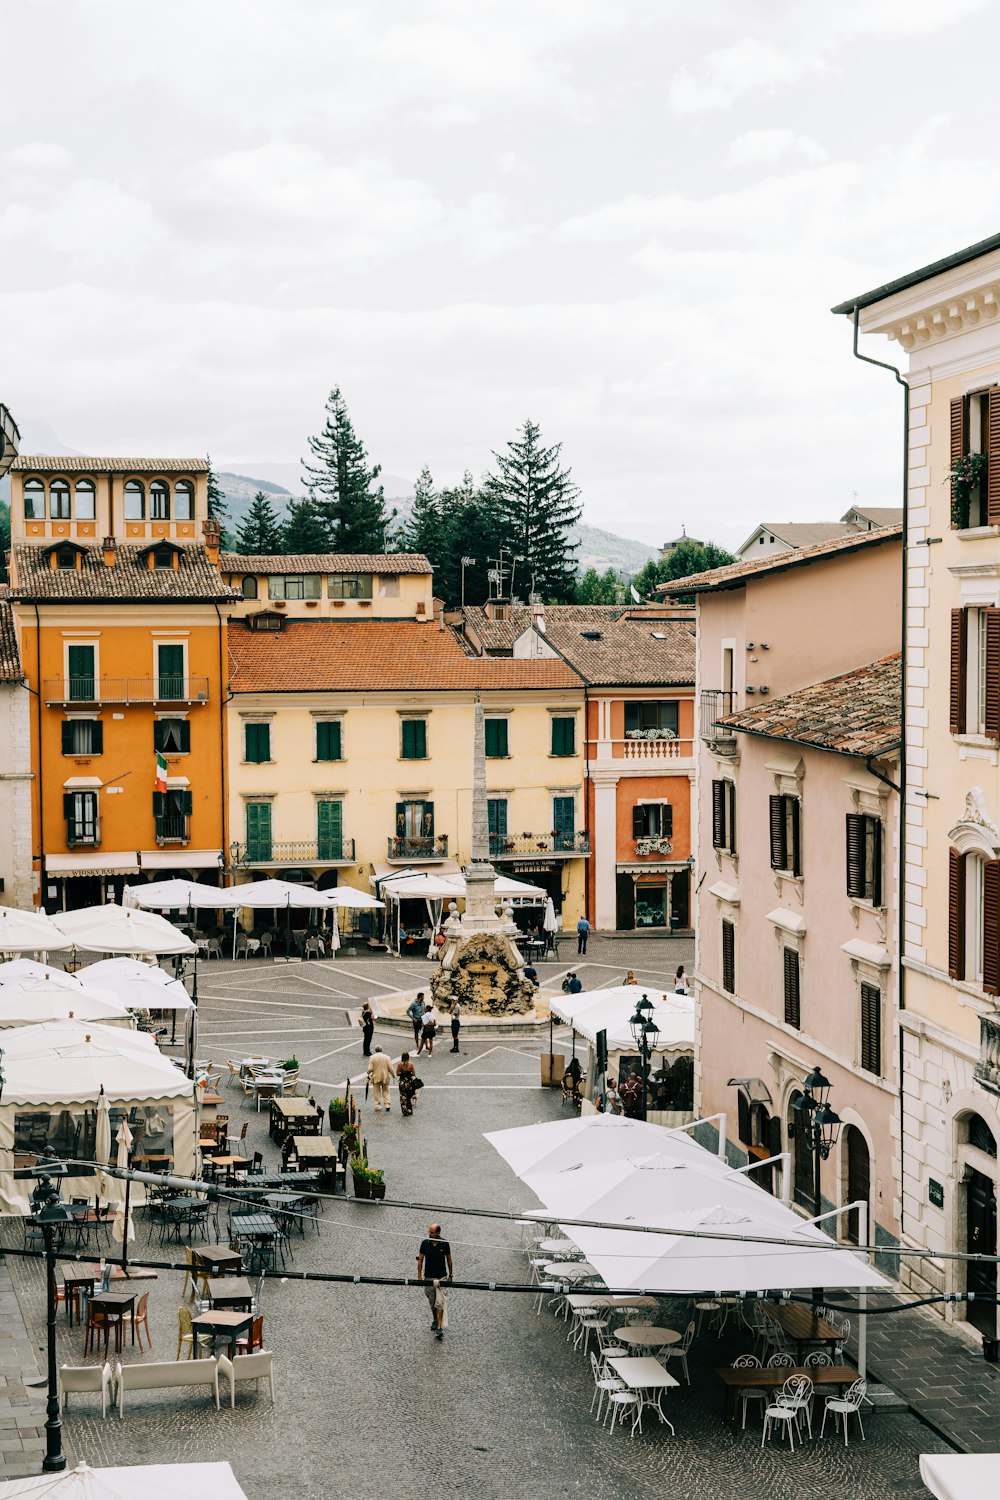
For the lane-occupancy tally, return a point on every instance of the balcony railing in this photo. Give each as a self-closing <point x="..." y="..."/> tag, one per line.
<point x="297" y="852"/>
<point x="716" y="704"/>
<point x="987" y="1069"/>
<point x="83" y="835"/>
<point x="172" y="829"/>
<point x="419" y="846"/>
<point x="653" y="745"/>
<point x="161" y="689"/>
<point x="518" y="845"/>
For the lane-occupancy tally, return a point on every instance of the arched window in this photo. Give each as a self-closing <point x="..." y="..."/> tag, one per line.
<point x="84" y="500"/>
<point x="135" y="501"/>
<point x="59" y="500"/>
<point x="159" y="501"/>
<point x="34" y="500"/>
<point x="249" y="588"/>
<point x="979" y="1134"/>
<point x="183" y="500"/>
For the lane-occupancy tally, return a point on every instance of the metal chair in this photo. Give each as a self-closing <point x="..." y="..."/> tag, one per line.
<point x="604" y="1385"/>
<point x="792" y="1402"/>
<point x="680" y="1351"/>
<point x="751" y="1393"/>
<point x="843" y="1406"/>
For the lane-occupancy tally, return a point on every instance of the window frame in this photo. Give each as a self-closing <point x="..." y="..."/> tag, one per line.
<point x="159" y="500"/>
<point x="791" y="975"/>
<point x="349" y="585"/>
<point x="727" y="951"/>
<point x="85" y="487"/>
<point x="414" y="727"/>
<point x="870" y="1027"/>
<point x="651" y="708"/>
<point x="33" y="493"/>
<point x="134" y="490"/>
<point x="724" y="815"/>
<point x="563" y="728"/>
<point x="865" y="859"/>
<point x="786" y="833"/>
<point x="87" y="818"/>
<point x="60" y="499"/>
<point x="96" y="736"/>
<point x="185" y="488"/>
<point x="159" y="737"/>
<point x="499" y="725"/>
<point x="326" y="727"/>
<point x="257" y="730"/>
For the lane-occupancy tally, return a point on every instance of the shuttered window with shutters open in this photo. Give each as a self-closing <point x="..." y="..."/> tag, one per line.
<point x="991" y="926"/>
<point x="975" y="428"/>
<point x="864" y="858"/>
<point x="786" y="844"/>
<point x="956" y="914"/>
<point x="724" y="815"/>
<point x="793" y="1002"/>
<point x="959" y="681"/>
<point x="728" y="956"/>
<point x="871" y="1029"/>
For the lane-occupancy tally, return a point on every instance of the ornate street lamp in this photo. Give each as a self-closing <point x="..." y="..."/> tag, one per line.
<point x="817" y="1128"/>
<point x="50" y="1214"/>
<point x="644" y="1033"/>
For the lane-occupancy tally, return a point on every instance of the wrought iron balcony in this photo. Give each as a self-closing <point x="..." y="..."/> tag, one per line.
<point x="419" y="846"/>
<point x="296" y="852"/>
<point x="172" y="829"/>
<point x="83" y="835"/>
<point x="716" y="704"/>
<point x="520" y="845"/>
<point x="165" y="688"/>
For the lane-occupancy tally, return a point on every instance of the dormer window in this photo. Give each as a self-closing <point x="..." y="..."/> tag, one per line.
<point x="163" y="557"/>
<point x="66" y="557"/>
<point x="135" y="500"/>
<point x="265" y="619"/>
<point x="159" y="502"/>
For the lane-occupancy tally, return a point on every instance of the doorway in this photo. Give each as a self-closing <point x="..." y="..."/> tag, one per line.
<point x="803" y="1186"/>
<point x="858" y="1183"/>
<point x="981" y="1232"/>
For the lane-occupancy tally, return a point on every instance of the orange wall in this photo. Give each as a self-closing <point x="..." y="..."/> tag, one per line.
<point x="126" y="650"/>
<point x="674" y="789"/>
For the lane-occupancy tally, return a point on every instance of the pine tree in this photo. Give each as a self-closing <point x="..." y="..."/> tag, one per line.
<point x="342" y="486"/>
<point x="304" y="529"/>
<point x="423" y="530"/>
<point x="535" y="499"/>
<point x="260" y="531"/>
<point x="218" y="510"/>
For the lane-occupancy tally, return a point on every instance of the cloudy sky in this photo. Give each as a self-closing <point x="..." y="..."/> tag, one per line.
<point x="626" y="219"/>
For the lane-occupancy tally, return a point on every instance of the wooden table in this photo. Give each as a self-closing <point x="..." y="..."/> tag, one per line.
<point x="119" y="1302"/>
<point x="230" y="1323"/>
<point x="318" y="1150"/>
<point x="211" y="1100"/>
<point x="645" y="1375"/>
<point x="802" y="1325"/>
<point x="215" y="1257"/>
<point x="230" y="1292"/>
<point x="231" y="1165"/>
<point x="293" y="1116"/>
<point x="758" y="1378"/>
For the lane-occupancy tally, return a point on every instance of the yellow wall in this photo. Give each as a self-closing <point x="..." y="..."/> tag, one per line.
<point x="109" y="513"/>
<point x="413" y="599"/>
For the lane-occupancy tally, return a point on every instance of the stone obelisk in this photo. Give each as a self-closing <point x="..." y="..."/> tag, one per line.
<point x="480" y="876"/>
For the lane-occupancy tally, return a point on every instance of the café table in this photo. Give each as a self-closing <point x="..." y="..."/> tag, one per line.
<point x="558" y="1248"/>
<point x="215" y="1258"/>
<point x="182" y="1211"/>
<point x="119" y="1302"/>
<point x="647" y="1336"/>
<point x="582" y="1301"/>
<point x="316" y="1151"/>
<point x="759" y="1377"/>
<point x="293" y="1117"/>
<point x="231" y="1165"/>
<point x="266" y="1084"/>
<point x="645" y="1376"/>
<point x="211" y="1100"/>
<point x="224" y="1323"/>
<point x="803" y="1326"/>
<point x="569" y="1270"/>
<point x="259" y="1231"/>
<point x="232" y="1293"/>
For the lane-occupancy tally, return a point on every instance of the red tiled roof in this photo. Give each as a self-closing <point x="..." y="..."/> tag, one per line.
<point x="10" y="655"/>
<point x="375" y="656"/>
<point x="192" y="581"/>
<point x="324" y="562"/>
<point x="859" y="713"/>
<point x="74" y="463"/>
<point x="734" y="575"/>
<point x="636" y="651"/>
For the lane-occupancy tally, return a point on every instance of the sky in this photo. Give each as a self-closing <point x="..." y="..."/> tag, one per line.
<point x="626" y="220"/>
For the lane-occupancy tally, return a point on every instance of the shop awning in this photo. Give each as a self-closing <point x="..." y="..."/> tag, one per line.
<point x="180" y="859"/>
<point x="93" y="862"/>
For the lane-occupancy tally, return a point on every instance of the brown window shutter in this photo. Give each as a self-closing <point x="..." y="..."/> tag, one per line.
<point x="871" y="1028"/>
<point x="743" y="1117"/>
<point x="793" y="1012"/>
<point x="992" y="714"/>
<point x="795" y="864"/>
<point x="959" y="653"/>
<point x="876" y="861"/>
<point x="718" y="815"/>
<point x="959" y="428"/>
<point x="731" y="815"/>
<point x="728" y="957"/>
<point x="991" y="927"/>
<point x="956" y="914"/>
<point x="779" y="852"/>
<point x="993" y="458"/>
<point x="855" y="856"/>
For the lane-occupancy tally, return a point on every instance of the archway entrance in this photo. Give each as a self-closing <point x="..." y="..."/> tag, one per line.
<point x="802" y="1160"/>
<point x="858" y="1181"/>
<point x="981" y="1231"/>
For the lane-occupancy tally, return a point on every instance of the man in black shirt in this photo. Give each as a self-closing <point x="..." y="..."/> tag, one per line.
<point x="434" y="1266"/>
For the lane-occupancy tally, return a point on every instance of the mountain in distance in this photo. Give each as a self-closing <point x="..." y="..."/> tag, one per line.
<point x="596" y="548"/>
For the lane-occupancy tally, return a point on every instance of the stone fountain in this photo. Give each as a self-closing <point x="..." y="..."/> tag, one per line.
<point x="480" y="963"/>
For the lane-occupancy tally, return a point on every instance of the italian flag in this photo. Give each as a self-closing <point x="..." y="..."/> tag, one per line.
<point x="161" y="772"/>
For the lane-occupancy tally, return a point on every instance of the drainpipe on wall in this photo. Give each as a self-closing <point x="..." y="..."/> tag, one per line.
<point x="41" y="759"/>
<point x="223" y="700"/>
<point x="588" y="865"/>
<point x="901" y="862"/>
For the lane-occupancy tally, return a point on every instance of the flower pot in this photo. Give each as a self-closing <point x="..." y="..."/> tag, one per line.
<point x="362" y="1187"/>
<point x="338" y="1118"/>
<point x="377" y="1190"/>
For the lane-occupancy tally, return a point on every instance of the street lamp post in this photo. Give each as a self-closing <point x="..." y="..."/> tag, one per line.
<point x="817" y="1128"/>
<point x="644" y="1033"/>
<point x="50" y="1214"/>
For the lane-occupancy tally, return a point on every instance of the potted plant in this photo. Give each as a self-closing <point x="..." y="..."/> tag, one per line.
<point x="376" y="1182"/>
<point x="290" y="1065"/>
<point x="351" y="1138"/>
<point x="965" y="475"/>
<point x="369" y="1182"/>
<point x="338" y="1113"/>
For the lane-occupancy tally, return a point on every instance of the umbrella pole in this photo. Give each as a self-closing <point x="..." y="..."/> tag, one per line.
<point x="288" y="931"/>
<point x="128" y="1188"/>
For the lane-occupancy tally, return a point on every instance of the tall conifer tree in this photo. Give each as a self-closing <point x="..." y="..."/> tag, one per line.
<point x="304" y="529"/>
<point x="343" y="487"/>
<point x="536" y="504"/>
<point x="260" y="530"/>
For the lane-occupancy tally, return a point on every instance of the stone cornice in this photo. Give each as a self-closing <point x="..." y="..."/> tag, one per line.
<point x="953" y="302"/>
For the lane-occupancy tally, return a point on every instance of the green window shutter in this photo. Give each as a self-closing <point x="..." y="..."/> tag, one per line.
<point x="496" y="808"/>
<point x="158" y="735"/>
<point x="496" y="738"/>
<point x="159" y="804"/>
<point x="564" y="821"/>
<point x="563" y="736"/>
<point x="170" y="672"/>
<point x="80" y="664"/>
<point x="258" y="830"/>
<point x="428" y="828"/>
<point x="330" y="830"/>
<point x="328" y="740"/>
<point x="69" y="806"/>
<point x="400" y="820"/>
<point x="67" y="737"/>
<point x="187" y="803"/>
<point x="414" y="739"/>
<point x="258" y="742"/>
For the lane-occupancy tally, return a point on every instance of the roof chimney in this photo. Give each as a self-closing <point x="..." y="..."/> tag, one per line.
<point x="538" y="612"/>
<point x="109" y="551"/>
<point x="212" y="531"/>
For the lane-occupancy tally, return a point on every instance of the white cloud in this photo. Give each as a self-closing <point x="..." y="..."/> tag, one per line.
<point x="40" y="156"/>
<point x="762" y="147"/>
<point x="749" y="66"/>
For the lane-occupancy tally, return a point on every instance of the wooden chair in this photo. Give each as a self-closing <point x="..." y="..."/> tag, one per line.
<point x="234" y="1071"/>
<point x="240" y="1144"/>
<point x="248" y="1342"/>
<point x="186" y="1334"/>
<point x="103" y="1320"/>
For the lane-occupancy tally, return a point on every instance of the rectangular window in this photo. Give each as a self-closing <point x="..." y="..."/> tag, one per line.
<point x="975" y="431"/>
<point x="330" y="829"/>
<point x="563" y="736"/>
<point x="414" y="739"/>
<point x="172" y="736"/>
<point x="295" y="586"/>
<point x="82" y="737"/>
<point x="496" y="809"/>
<point x="170" y="672"/>
<point x="496" y="739"/>
<point x="786" y="847"/>
<point x="81" y="666"/>
<point x="414" y="829"/>
<point x="328" y="740"/>
<point x="259" y="831"/>
<point x="871" y="1029"/>
<point x="652" y="820"/>
<point x="256" y="743"/>
<point x="656" y="720"/>
<point x="350" y="586"/>
<point x="975" y="670"/>
<point x="563" y="823"/>
<point x="171" y="810"/>
<point x="80" y="812"/>
<point x="728" y="956"/>
<point x="864" y="858"/>
<point x="724" y="815"/>
<point x="793" y="1008"/>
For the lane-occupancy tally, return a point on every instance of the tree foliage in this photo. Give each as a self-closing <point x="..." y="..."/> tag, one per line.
<point x="600" y="588"/>
<point x="217" y="507"/>
<point x="536" y="504"/>
<point x="260" y="530"/>
<point x="687" y="558"/>
<point x="305" y="529"/>
<point x="342" y="485"/>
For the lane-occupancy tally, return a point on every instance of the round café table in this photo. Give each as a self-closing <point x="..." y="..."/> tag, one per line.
<point x="647" y="1336"/>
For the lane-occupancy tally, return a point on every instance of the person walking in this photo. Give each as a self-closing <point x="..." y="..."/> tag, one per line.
<point x="428" y="1030"/>
<point x="407" y="1080"/>
<point x="582" y="934"/>
<point x="434" y="1266"/>
<point x="380" y="1076"/>
<point x="680" y="981"/>
<point x="456" y="1024"/>
<point x="367" y="1024"/>
<point x="415" y="1011"/>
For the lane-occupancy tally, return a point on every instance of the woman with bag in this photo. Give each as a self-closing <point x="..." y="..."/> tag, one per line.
<point x="409" y="1083"/>
<point x="367" y="1024"/>
<point x="428" y="1030"/>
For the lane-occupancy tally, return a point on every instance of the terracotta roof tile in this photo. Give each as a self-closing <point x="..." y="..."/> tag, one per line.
<point x="10" y="655"/>
<point x="194" y="580"/>
<point x="807" y="533"/>
<point x="72" y="463"/>
<point x="375" y="656"/>
<point x="500" y="635"/>
<point x="859" y="713"/>
<point x="324" y="562"/>
<point x="647" y="652"/>
<point x="735" y="574"/>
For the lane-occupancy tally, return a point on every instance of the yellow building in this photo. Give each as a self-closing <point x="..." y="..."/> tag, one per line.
<point x="350" y="753"/>
<point x="944" y="317"/>
<point x="120" y="616"/>
<point x="334" y="585"/>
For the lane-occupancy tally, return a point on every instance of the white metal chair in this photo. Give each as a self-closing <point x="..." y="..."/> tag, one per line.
<point x="587" y="1323"/>
<point x="843" y="1406"/>
<point x="750" y="1393"/>
<point x="604" y="1384"/>
<point x="610" y="1347"/>
<point x="618" y="1403"/>
<point x="792" y="1402"/>
<point x="680" y="1351"/>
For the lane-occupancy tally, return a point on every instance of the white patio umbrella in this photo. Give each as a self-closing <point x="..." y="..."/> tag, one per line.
<point x="151" y="1481"/>
<point x="550" y="921"/>
<point x="175" y="895"/>
<point x="122" y="1227"/>
<point x="334" y="933"/>
<point x="16" y="969"/>
<point x="102" y="1133"/>
<point x="961" y="1476"/>
<point x="108" y="971"/>
<point x="121" y="929"/>
<point x="29" y="932"/>
<point x="283" y="895"/>
<point x="139" y="986"/>
<point x="585" y="1140"/>
<point x="349" y="897"/>
<point x="30" y="1000"/>
<point x="642" y="1188"/>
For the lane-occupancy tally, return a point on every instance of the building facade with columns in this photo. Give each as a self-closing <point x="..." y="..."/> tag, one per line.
<point x="944" y="321"/>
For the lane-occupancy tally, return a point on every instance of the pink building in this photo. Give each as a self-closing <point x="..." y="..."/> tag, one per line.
<point x="798" y="680"/>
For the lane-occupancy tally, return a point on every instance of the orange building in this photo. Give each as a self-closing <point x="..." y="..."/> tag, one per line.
<point x="121" y="615"/>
